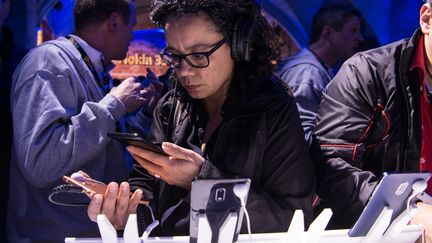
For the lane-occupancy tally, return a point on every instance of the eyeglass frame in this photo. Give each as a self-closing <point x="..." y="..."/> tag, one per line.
<point x="207" y="54"/>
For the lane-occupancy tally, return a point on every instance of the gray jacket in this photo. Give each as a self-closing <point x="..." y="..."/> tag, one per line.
<point x="307" y="78"/>
<point x="61" y="120"/>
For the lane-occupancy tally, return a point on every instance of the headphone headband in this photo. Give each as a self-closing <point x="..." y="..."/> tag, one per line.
<point x="245" y="34"/>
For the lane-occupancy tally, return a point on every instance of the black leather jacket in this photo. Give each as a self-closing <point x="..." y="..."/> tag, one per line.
<point x="260" y="139"/>
<point x="369" y="120"/>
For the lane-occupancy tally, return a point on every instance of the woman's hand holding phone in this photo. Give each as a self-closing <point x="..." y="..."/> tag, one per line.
<point x="115" y="201"/>
<point x="178" y="167"/>
<point x="116" y="205"/>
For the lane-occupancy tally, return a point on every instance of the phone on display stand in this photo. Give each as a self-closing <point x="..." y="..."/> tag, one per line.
<point x="393" y="191"/>
<point x="216" y="200"/>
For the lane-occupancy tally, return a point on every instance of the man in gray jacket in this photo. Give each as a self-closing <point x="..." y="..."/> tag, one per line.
<point x="63" y="107"/>
<point x="335" y="37"/>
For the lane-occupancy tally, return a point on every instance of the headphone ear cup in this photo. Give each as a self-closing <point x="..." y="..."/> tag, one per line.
<point x="244" y="36"/>
<point x="235" y="53"/>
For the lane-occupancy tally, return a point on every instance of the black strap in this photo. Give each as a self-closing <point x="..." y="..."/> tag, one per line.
<point x="322" y="63"/>
<point x="104" y="84"/>
<point x="66" y="188"/>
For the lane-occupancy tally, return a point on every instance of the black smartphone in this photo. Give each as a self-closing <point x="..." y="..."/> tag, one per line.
<point x="136" y="140"/>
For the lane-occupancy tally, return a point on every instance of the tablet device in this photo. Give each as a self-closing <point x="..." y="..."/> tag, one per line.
<point x="135" y="140"/>
<point x="393" y="190"/>
<point x="216" y="199"/>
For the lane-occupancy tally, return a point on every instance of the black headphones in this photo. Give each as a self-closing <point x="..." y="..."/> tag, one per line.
<point x="245" y="34"/>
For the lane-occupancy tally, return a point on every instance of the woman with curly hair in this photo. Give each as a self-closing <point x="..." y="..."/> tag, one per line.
<point x="228" y="115"/>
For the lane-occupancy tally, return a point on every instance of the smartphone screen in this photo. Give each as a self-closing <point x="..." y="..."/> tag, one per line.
<point x="89" y="187"/>
<point x="135" y="140"/>
<point x="92" y="187"/>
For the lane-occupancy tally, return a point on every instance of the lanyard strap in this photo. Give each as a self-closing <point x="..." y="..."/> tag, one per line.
<point x="104" y="84"/>
<point x="322" y="64"/>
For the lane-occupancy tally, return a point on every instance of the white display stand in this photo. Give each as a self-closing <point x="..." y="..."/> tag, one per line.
<point x="397" y="232"/>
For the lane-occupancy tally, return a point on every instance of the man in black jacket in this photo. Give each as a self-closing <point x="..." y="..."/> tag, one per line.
<point x="376" y="116"/>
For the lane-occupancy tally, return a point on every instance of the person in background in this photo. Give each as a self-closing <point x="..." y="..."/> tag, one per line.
<point x="375" y="117"/>
<point x="228" y="115"/>
<point x="63" y="106"/>
<point x="10" y="56"/>
<point x="335" y="37"/>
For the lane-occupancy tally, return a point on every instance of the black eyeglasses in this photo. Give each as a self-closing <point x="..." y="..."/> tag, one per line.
<point x="194" y="59"/>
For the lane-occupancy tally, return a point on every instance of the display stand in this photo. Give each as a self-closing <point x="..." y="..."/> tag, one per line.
<point x="397" y="232"/>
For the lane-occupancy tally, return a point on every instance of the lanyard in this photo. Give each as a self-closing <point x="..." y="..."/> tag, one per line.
<point x="104" y="84"/>
<point x="331" y="75"/>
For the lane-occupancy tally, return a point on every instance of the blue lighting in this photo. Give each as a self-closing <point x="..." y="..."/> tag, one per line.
<point x="154" y="36"/>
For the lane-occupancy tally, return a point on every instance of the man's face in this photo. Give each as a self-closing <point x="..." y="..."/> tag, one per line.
<point x="197" y="33"/>
<point x="125" y="35"/>
<point x="347" y="40"/>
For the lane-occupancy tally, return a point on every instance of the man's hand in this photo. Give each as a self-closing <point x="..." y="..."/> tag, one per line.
<point x="423" y="217"/>
<point x="116" y="205"/>
<point x="179" y="168"/>
<point x="153" y="92"/>
<point x="130" y="93"/>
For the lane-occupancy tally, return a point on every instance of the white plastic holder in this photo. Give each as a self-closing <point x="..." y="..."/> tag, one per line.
<point x="398" y="231"/>
<point x="296" y="228"/>
<point x="226" y="232"/>
<point x="380" y="225"/>
<point x="107" y="231"/>
<point x="317" y="227"/>
<point x="130" y="233"/>
<point x="204" y="230"/>
<point x="395" y="229"/>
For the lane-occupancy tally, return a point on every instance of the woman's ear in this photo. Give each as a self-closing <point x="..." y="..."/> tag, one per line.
<point x="425" y="18"/>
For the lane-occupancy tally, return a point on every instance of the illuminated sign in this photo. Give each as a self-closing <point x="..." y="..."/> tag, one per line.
<point x="143" y="59"/>
<point x="143" y="53"/>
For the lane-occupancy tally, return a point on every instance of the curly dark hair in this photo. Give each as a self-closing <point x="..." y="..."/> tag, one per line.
<point x="224" y="14"/>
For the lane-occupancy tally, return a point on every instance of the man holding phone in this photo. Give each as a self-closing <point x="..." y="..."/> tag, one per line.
<point x="63" y="106"/>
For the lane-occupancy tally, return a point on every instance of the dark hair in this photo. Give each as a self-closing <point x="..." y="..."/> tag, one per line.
<point x="334" y="16"/>
<point x="88" y="12"/>
<point x="224" y="14"/>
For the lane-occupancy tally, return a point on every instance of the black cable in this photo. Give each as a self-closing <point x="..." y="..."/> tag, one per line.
<point x="66" y="188"/>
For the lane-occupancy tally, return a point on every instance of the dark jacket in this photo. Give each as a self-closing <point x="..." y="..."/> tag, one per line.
<point x="260" y="139"/>
<point x="10" y="56"/>
<point x="369" y="120"/>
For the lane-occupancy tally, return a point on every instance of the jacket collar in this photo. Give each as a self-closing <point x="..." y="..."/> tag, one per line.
<point x="418" y="60"/>
<point x="95" y="55"/>
<point x="408" y="52"/>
